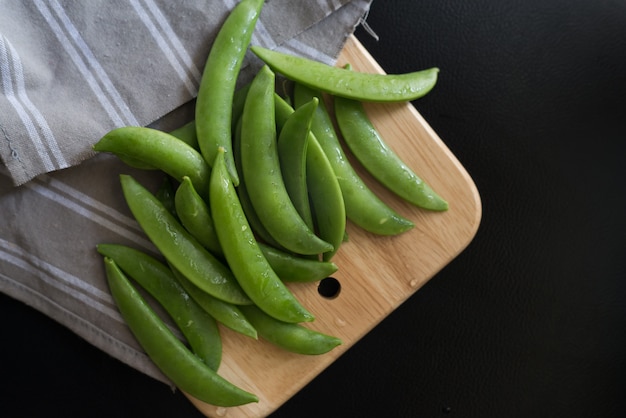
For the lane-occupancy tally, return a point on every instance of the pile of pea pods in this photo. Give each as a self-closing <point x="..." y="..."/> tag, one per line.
<point x="257" y="193"/>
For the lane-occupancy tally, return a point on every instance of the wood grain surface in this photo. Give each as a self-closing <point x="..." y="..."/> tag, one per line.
<point x="376" y="273"/>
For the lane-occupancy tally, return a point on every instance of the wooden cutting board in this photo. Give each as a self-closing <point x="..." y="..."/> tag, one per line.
<point x="376" y="274"/>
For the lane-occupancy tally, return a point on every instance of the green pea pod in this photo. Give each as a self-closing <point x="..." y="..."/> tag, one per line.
<point x="367" y="87"/>
<point x="225" y="313"/>
<point x="187" y="134"/>
<point x="325" y="194"/>
<point x="292" y="268"/>
<point x="219" y="78"/>
<point x="167" y="352"/>
<point x="261" y="171"/>
<point x="363" y="207"/>
<point x="195" y="216"/>
<point x="242" y="191"/>
<point x="292" y="150"/>
<point x="179" y="247"/>
<point x="157" y="149"/>
<point x="198" y="327"/>
<point x="243" y="254"/>
<point x="379" y="159"/>
<point x="291" y="337"/>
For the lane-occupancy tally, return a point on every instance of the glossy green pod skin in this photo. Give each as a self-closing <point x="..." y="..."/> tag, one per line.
<point x="159" y="150"/>
<point x="195" y="216"/>
<point x="217" y="87"/>
<point x="167" y="352"/>
<point x="165" y="193"/>
<point x="367" y="87"/>
<point x="379" y="159"/>
<point x="178" y="246"/>
<point x="293" y="268"/>
<point x="187" y="134"/>
<point x="198" y="327"/>
<point x="292" y="149"/>
<point x="225" y="313"/>
<point x="326" y="198"/>
<point x="242" y="191"/>
<point x="243" y="254"/>
<point x="291" y="337"/>
<point x="262" y="175"/>
<point x="363" y="207"/>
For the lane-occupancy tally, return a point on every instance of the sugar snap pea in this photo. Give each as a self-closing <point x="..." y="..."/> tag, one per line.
<point x="377" y="157"/>
<point x="195" y="216"/>
<point x="167" y="352"/>
<point x="293" y="268"/>
<point x="165" y="193"/>
<point x="355" y="85"/>
<point x="178" y="246"/>
<point x="243" y="254"/>
<point x="217" y="87"/>
<point x="261" y="171"/>
<point x="198" y="327"/>
<point x="292" y="149"/>
<point x="363" y="207"/>
<point x="326" y="198"/>
<point x="157" y="149"/>
<point x="242" y="191"/>
<point x="291" y="337"/>
<point x="225" y="313"/>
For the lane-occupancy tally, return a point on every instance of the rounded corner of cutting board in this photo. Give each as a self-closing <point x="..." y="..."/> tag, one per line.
<point x="376" y="273"/>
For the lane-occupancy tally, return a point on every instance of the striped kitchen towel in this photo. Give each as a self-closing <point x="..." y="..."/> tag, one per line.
<point x="71" y="71"/>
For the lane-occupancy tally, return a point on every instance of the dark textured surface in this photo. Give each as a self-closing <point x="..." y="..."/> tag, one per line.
<point x="529" y="321"/>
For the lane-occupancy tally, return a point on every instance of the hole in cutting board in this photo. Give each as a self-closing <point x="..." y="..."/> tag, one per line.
<point x="329" y="288"/>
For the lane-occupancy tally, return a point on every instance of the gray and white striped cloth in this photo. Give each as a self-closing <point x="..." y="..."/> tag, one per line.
<point x="71" y="71"/>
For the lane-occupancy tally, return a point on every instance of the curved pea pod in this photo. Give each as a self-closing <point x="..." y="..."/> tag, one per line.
<point x="244" y="198"/>
<point x="379" y="159"/>
<point x="167" y="352"/>
<point x="195" y="216"/>
<point x="292" y="268"/>
<point x="262" y="175"/>
<point x="178" y="246"/>
<point x="198" y="327"/>
<point x="325" y="196"/>
<point x="362" y="206"/>
<point x="159" y="150"/>
<point x="346" y="83"/>
<point x="292" y="149"/>
<point x="291" y="337"/>
<point x="217" y="87"/>
<point x="227" y="314"/>
<point x="243" y="254"/>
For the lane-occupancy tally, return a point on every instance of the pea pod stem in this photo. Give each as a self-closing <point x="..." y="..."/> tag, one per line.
<point x="198" y="327"/>
<point x="341" y="82"/>
<point x="219" y="78"/>
<point x="167" y="352"/>
<point x="178" y="246"/>
<point x="243" y="254"/>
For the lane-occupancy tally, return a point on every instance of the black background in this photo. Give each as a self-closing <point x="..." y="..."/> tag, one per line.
<point x="529" y="321"/>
